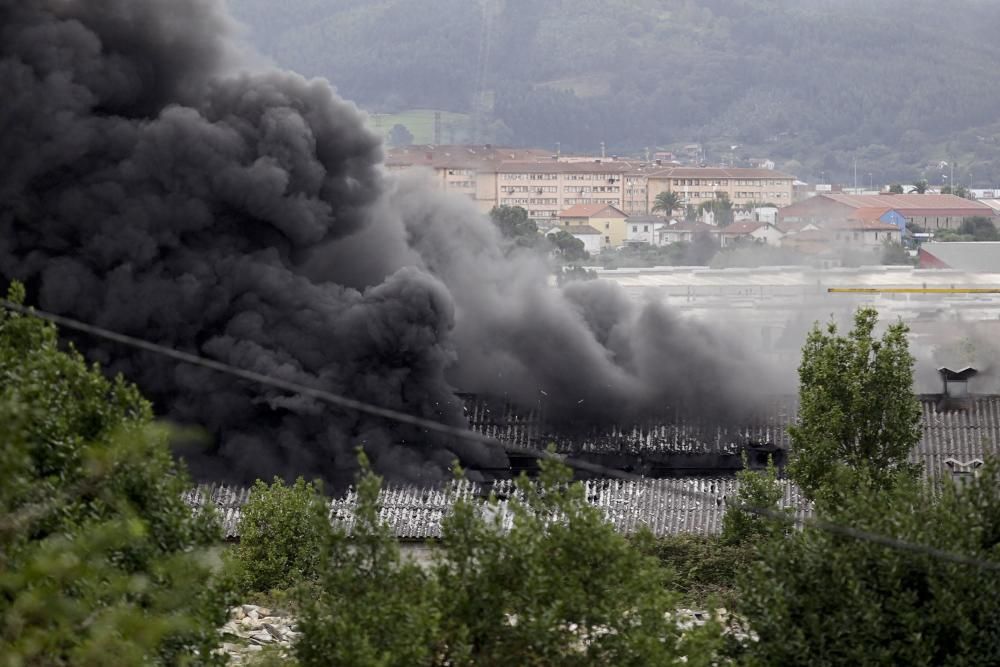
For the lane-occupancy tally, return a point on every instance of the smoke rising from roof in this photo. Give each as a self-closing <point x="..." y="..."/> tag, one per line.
<point x="151" y="187"/>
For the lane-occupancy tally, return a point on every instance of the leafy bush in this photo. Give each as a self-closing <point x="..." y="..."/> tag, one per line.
<point x="704" y="568"/>
<point x="542" y="579"/>
<point x="101" y="562"/>
<point x="369" y="607"/>
<point x="757" y="490"/>
<point x="281" y="532"/>
<point x="818" y="598"/>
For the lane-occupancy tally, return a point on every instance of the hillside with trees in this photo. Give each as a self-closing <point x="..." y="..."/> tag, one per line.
<point x="900" y="86"/>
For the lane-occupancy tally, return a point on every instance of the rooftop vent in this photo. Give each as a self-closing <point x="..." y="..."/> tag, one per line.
<point x="963" y="473"/>
<point x="956" y="388"/>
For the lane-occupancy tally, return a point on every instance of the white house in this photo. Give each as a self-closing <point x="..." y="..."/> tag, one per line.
<point x="763" y="232"/>
<point x="592" y="239"/>
<point x="643" y="229"/>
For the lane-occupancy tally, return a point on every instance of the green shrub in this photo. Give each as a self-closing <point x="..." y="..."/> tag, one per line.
<point x="704" y="568"/>
<point x="281" y="531"/>
<point x="101" y="562"/>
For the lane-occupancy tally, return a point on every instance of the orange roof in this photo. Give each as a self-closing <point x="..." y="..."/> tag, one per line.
<point x="869" y="214"/>
<point x="718" y="172"/>
<point x="912" y="204"/>
<point x="563" y="167"/>
<point x="592" y="211"/>
<point x="862" y="225"/>
<point x="742" y="227"/>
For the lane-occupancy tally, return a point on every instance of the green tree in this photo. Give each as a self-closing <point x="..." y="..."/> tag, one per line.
<point x="721" y="208"/>
<point x="101" y="561"/>
<point x="540" y="579"/>
<point x="400" y="135"/>
<point x="896" y="254"/>
<point x="896" y="189"/>
<point x="817" y="598"/>
<point x="568" y="246"/>
<point x="667" y="202"/>
<point x="980" y="228"/>
<point x="757" y="490"/>
<point x="920" y="187"/>
<point x="281" y="534"/>
<point x="368" y="607"/>
<point x="858" y="416"/>
<point x="514" y="224"/>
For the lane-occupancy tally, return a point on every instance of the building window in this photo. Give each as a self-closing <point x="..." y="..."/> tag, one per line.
<point x="645" y="228"/>
<point x="607" y="239"/>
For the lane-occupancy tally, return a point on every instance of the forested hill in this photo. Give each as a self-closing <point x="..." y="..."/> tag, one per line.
<point x="897" y="84"/>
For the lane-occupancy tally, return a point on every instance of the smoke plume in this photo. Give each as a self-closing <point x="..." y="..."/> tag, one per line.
<point x="151" y="186"/>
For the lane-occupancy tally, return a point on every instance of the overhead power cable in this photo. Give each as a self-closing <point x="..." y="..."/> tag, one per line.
<point x="468" y="434"/>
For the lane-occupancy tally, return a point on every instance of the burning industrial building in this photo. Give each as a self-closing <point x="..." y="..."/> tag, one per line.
<point x="155" y="186"/>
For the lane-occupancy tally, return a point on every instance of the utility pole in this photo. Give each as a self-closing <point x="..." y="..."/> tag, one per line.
<point x="602" y="150"/>
<point x="855" y="175"/>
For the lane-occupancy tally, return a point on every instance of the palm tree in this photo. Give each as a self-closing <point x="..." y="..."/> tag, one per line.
<point x="920" y="187"/>
<point x="667" y="201"/>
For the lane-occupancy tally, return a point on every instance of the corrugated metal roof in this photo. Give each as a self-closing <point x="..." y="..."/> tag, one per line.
<point x="963" y="435"/>
<point x="530" y="428"/>
<point x="664" y="506"/>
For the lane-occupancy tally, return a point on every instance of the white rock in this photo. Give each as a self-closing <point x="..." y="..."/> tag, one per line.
<point x="261" y="637"/>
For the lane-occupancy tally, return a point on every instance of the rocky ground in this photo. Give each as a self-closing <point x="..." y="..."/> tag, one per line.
<point x="251" y="630"/>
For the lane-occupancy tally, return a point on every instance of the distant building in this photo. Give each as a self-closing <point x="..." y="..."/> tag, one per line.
<point x="853" y="234"/>
<point x="930" y="212"/>
<point x="743" y="187"/>
<point x="547" y="187"/>
<point x="469" y="170"/>
<point x="608" y="219"/>
<point x="762" y="232"/>
<point x="644" y="229"/>
<point x="592" y="239"/>
<point x="685" y="232"/>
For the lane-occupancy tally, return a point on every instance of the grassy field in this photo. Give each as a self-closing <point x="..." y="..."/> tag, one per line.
<point x="455" y="127"/>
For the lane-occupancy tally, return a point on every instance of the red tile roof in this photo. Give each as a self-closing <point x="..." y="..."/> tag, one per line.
<point x="458" y="156"/>
<point x="742" y="227"/>
<point x="862" y="225"/>
<point x="561" y="167"/>
<point x="717" y="172"/>
<point x="913" y="204"/>
<point x="592" y="211"/>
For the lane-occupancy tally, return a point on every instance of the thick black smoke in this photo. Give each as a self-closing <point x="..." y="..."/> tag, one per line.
<point x="150" y="187"/>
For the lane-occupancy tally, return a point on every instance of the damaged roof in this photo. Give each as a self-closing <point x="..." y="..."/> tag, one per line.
<point x="952" y="440"/>
<point x="664" y="506"/>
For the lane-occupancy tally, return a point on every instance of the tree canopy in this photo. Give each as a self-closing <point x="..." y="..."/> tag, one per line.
<point x="539" y="579"/>
<point x="858" y="415"/>
<point x="101" y="562"/>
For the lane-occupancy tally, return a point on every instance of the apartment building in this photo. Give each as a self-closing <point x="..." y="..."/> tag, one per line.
<point x="466" y="170"/>
<point x="744" y="187"/>
<point x="545" y="184"/>
<point x="547" y="187"/>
